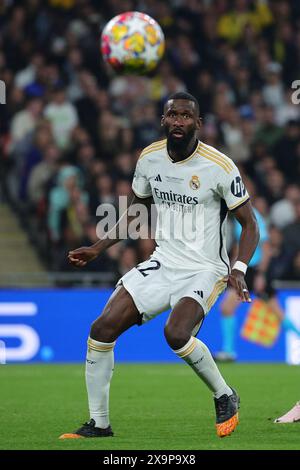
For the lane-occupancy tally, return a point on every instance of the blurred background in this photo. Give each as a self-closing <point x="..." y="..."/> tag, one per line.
<point x="71" y="132"/>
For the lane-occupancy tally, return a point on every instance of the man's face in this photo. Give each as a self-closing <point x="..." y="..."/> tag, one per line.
<point x="180" y="121"/>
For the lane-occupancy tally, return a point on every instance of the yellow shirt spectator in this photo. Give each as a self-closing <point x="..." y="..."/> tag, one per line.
<point x="62" y="3"/>
<point x="231" y="25"/>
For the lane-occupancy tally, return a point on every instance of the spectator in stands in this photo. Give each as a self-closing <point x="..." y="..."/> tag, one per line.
<point x="275" y="185"/>
<point x="283" y="211"/>
<point x="109" y="132"/>
<point x="293" y="271"/>
<point x="102" y="193"/>
<point x="288" y="111"/>
<point x="41" y="139"/>
<point x="291" y="232"/>
<point x="62" y="197"/>
<point x="232" y="132"/>
<point x="63" y="117"/>
<point x="127" y="260"/>
<point x="239" y="59"/>
<point x="268" y="132"/>
<point x="124" y="166"/>
<point x="41" y="175"/>
<point x="231" y="24"/>
<point x="272" y="91"/>
<point x="25" y="121"/>
<point x="146" y="127"/>
<point x="285" y="151"/>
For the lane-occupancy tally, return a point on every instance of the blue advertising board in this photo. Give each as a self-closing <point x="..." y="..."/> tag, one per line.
<point x="53" y="325"/>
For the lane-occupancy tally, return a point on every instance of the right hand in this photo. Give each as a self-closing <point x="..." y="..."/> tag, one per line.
<point x="237" y="281"/>
<point x="82" y="256"/>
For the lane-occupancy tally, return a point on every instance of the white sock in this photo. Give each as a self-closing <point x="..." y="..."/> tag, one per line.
<point x="98" y="374"/>
<point x="197" y="355"/>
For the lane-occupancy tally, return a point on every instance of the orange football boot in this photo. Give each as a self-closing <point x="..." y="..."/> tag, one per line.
<point x="227" y="416"/>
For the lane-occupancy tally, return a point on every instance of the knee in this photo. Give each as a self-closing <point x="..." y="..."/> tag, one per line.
<point x="176" y="337"/>
<point x="103" y="331"/>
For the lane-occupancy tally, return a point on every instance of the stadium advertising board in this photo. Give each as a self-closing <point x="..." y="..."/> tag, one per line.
<point x="53" y="326"/>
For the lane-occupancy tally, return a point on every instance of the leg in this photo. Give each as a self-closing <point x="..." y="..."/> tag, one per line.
<point x="186" y="314"/>
<point x="119" y="314"/>
<point x="292" y="416"/>
<point x="228" y="325"/>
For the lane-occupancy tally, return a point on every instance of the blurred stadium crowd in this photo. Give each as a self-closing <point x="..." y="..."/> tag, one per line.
<point x="71" y="131"/>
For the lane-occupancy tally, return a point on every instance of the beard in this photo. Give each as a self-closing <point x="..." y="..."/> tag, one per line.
<point x="179" y="145"/>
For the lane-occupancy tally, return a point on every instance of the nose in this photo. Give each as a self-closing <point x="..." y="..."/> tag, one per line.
<point x="178" y="122"/>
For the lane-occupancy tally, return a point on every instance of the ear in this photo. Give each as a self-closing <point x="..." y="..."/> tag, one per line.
<point x="162" y="121"/>
<point x="199" y="123"/>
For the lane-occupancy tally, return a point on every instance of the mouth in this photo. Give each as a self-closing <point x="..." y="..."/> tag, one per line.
<point x="178" y="133"/>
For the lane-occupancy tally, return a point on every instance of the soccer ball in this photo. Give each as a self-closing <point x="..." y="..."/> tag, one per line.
<point x="132" y="43"/>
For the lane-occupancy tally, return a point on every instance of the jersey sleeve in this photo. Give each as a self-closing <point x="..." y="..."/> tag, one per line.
<point x="141" y="184"/>
<point x="232" y="189"/>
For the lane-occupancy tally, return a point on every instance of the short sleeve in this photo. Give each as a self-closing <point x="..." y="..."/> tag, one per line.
<point x="232" y="189"/>
<point x="140" y="184"/>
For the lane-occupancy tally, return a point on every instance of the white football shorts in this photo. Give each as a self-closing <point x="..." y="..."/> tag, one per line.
<point x="155" y="288"/>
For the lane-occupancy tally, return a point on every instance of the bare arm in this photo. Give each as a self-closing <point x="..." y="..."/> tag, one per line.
<point x="81" y="256"/>
<point x="247" y="245"/>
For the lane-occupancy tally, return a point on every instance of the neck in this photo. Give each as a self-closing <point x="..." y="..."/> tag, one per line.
<point x="178" y="154"/>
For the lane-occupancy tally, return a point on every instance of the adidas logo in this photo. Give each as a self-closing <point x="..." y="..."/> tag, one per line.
<point x="158" y="178"/>
<point x="199" y="292"/>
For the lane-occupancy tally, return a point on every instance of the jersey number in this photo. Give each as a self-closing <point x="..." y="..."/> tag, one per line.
<point x="151" y="268"/>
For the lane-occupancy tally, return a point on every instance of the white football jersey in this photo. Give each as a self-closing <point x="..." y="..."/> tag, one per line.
<point x="192" y="198"/>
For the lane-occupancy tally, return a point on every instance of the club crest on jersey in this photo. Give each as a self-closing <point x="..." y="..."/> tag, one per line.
<point x="194" y="182"/>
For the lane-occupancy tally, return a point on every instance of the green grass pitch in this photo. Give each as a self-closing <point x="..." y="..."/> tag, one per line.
<point x="153" y="407"/>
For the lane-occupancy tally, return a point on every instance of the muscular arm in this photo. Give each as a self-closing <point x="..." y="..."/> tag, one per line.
<point x="250" y="233"/>
<point x="247" y="245"/>
<point x="83" y="255"/>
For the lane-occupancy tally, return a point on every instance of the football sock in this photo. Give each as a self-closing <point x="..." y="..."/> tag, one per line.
<point x="98" y="374"/>
<point x="288" y="325"/>
<point x="228" y="327"/>
<point x="197" y="355"/>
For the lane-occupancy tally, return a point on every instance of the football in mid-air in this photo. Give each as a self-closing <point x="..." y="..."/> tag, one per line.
<point x="132" y="42"/>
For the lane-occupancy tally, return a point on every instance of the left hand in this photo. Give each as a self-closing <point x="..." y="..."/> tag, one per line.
<point x="237" y="281"/>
